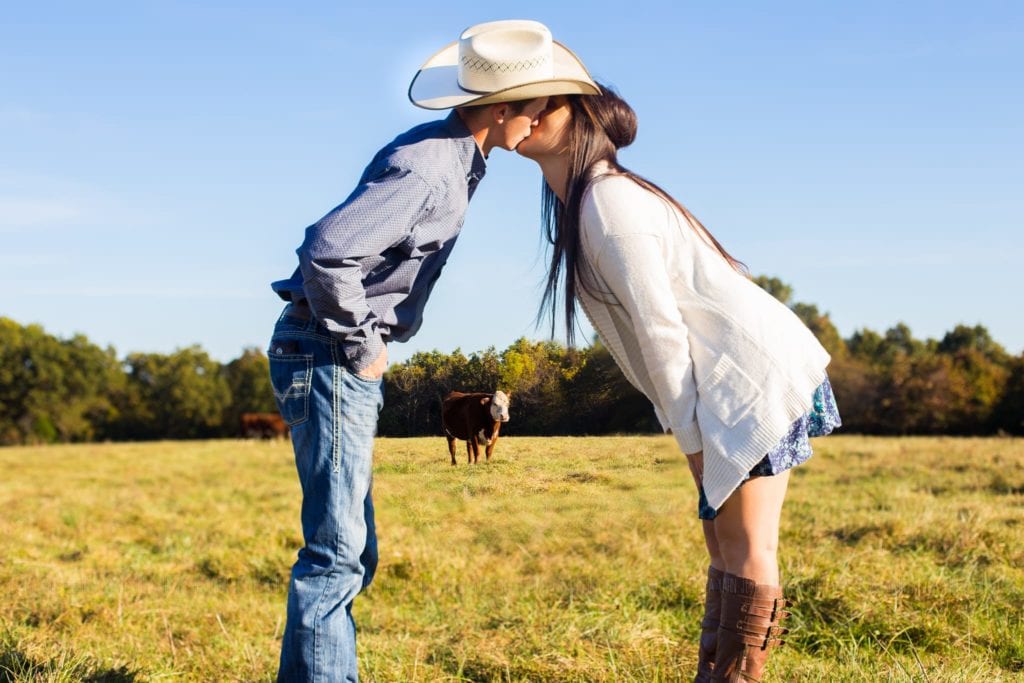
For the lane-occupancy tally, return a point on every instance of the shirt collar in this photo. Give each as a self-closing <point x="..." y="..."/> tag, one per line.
<point x="472" y="158"/>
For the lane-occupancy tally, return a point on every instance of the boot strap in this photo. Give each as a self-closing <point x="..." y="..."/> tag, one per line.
<point x="766" y="615"/>
<point x="761" y="605"/>
<point x="761" y="637"/>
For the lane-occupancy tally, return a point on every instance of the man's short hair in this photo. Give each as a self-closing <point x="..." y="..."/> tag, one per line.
<point x="516" y="106"/>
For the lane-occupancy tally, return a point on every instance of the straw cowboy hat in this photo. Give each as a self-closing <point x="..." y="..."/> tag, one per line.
<point x="499" y="61"/>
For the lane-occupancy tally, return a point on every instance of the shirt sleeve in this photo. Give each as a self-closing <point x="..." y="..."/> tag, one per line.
<point x="378" y="214"/>
<point x="633" y="265"/>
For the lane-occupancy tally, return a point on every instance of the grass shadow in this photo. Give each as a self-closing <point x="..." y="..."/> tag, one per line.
<point x="18" y="667"/>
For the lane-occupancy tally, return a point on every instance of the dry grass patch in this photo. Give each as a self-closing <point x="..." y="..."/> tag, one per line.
<point x="564" y="559"/>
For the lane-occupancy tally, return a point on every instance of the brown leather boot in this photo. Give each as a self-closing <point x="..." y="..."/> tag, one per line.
<point x="709" y="626"/>
<point x="749" y="629"/>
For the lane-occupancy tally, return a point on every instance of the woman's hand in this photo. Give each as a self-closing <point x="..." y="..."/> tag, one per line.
<point x="696" y="462"/>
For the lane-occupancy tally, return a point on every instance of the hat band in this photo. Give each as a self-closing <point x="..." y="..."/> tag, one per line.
<point x="480" y="75"/>
<point x="487" y="66"/>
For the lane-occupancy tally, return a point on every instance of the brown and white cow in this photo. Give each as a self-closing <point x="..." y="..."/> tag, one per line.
<point x="475" y="418"/>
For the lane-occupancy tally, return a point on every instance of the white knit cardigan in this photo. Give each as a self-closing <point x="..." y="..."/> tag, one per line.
<point x="727" y="366"/>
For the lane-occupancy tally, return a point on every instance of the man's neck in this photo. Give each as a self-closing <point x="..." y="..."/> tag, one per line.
<point x="480" y="134"/>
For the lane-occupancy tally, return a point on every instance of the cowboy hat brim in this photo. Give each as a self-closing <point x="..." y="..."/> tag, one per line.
<point x="436" y="84"/>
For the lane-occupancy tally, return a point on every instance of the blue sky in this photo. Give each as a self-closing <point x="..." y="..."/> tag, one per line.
<point x="159" y="161"/>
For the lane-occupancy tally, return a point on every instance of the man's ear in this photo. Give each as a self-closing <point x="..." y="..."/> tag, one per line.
<point x="500" y="112"/>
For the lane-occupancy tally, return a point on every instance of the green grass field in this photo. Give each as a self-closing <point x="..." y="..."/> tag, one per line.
<point x="564" y="559"/>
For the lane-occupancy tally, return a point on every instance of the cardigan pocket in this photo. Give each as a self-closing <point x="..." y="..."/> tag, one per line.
<point x="728" y="392"/>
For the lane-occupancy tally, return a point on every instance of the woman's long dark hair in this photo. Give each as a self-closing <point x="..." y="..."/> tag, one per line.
<point x="599" y="127"/>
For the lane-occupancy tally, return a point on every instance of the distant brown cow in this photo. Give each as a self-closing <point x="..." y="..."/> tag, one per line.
<point x="263" y="426"/>
<point x="475" y="418"/>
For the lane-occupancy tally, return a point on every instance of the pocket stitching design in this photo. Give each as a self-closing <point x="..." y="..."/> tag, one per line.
<point x="292" y="392"/>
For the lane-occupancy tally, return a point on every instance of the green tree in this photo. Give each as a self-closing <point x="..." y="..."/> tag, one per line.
<point x="178" y="396"/>
<point x="599" y="399"/>
<point x="965" y="338"/>
<point x="534" y="372"/>
<point x="481" y="372"/>
<point x="28" y="383"/>
<point x="898" y="340"/>
<point x="866" y="345"/>
<point x="52" y="389"/>
<point x="984" y="367"/>
<point x="922" y="393"/>
<point x="1008" y="415"/>
<point x="248" y="382"/>
<point x="414" y="391"/>
<point x="858" y="388"/>
<point x="408" y="393"/>
<point x="93" y="379"/>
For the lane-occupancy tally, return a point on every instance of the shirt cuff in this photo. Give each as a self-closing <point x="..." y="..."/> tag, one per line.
<point x="361" y="355"/>
<point x="689" y="439"/>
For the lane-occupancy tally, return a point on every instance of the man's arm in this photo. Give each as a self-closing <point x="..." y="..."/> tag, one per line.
<point x="378" y="214"/>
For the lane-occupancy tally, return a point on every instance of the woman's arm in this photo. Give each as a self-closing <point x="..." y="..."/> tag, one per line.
<point x="633" y="265"/>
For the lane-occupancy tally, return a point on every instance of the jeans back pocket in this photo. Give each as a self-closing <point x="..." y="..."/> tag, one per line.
<point x="291" y="374"/>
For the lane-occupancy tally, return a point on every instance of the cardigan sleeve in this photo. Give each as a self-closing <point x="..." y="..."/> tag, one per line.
<point x="634" y="268"/>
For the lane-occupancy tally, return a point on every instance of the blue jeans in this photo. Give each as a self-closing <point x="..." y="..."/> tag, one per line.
<point x="332" y="414"/>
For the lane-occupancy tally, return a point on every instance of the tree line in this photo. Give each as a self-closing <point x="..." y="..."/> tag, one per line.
<point x="71" y="390"/>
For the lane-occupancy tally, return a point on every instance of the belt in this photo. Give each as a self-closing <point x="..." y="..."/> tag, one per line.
<point x="299" y="311"/>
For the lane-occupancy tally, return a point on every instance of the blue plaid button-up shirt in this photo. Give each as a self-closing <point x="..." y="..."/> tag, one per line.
<point x="367" y="267"/>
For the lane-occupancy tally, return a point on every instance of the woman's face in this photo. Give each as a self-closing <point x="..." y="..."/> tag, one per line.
<point x="551" y="135"/>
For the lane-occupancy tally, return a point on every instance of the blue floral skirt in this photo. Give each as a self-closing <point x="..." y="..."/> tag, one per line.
<point x="795" y="447"/>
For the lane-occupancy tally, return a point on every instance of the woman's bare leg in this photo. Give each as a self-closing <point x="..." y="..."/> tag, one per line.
<point x="711" y="541"/>
<point x="710" y="623"/>
<point x="746" y="530"/>
<point x="696" y="463"/>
